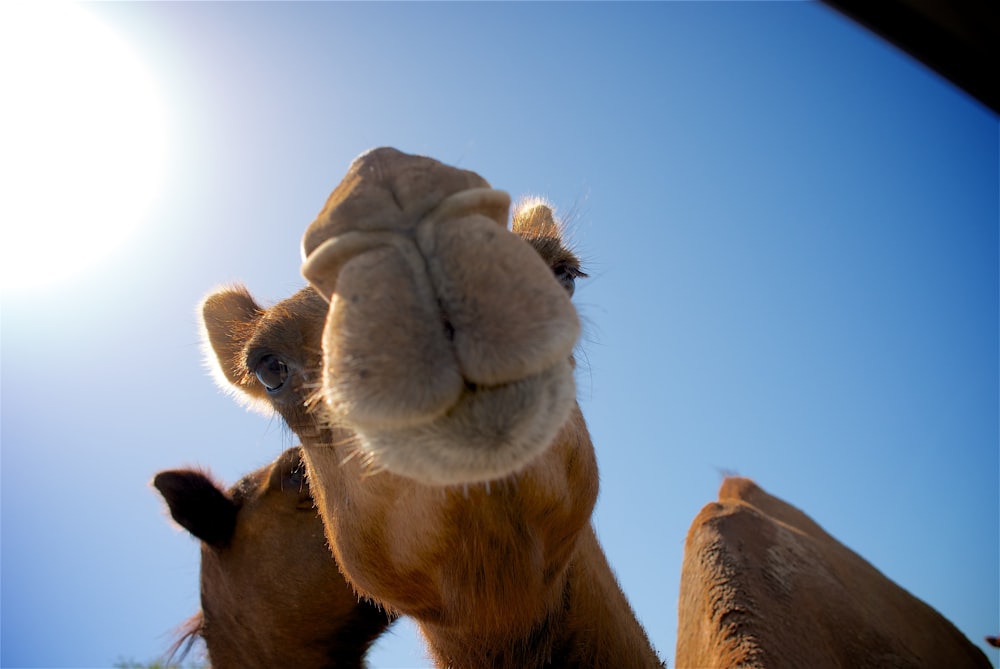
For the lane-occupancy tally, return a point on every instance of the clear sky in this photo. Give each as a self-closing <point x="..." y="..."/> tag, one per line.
<point x="791" y="230"/>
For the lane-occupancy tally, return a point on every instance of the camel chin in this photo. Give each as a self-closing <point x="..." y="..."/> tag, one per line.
<point x="490" y="433"/>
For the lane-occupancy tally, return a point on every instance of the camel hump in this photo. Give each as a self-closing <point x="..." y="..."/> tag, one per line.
<point x="763" y="585"/>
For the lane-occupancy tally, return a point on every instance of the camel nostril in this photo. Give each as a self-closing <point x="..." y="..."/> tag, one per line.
<point x="446" y="324"/>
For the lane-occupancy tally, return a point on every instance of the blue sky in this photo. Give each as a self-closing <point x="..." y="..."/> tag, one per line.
<point x="792" y="235"/>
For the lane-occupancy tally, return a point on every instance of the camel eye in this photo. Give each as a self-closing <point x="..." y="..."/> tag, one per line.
<point x="566" y="276"/>
<point x="272" y="372"/>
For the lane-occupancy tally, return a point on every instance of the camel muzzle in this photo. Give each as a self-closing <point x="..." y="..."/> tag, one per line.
<point x="434" y="305"/>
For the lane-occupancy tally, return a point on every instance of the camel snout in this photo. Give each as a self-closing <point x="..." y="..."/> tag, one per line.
<point x="438" y="314"/>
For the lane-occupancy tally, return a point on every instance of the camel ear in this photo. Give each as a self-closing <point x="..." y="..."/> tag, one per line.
<point x="229" y="318"/>
<point x="198" y="505"/>
<point x="533" y="217"/>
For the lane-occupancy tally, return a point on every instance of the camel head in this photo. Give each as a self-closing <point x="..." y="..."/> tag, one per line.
<point x="271" y="593"/>
<point x="434" y="337"/>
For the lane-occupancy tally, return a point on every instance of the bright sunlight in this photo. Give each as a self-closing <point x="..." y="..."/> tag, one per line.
<point x="82" y="143"/>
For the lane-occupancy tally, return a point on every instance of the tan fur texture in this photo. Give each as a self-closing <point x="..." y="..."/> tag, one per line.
<point x="271" y="593"/>
<point x="764" y="586"/>
<point x="440" y="353"/>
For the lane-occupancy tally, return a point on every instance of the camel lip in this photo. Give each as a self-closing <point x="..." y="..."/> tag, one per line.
<point x="489" y="202"/>
<point x="453" y="448"/>
<point x="311" y="265"/>
<point x="471" y="391"/>
<point x="322" y="266"/>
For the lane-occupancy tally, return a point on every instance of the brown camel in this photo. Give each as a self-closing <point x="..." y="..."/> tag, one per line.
<point x="428" y="372"/>
<point x="271" y="593"/>
<point x="762" y="585"/>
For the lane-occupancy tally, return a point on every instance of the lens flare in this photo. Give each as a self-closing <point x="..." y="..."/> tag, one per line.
<point x="83" y="144"/>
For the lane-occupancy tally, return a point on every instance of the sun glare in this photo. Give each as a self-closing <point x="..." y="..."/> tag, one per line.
<point x="82" y="143"/>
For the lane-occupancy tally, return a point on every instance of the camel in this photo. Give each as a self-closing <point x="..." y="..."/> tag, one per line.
<point x="271" y="593"/>
<point x="428" y="371"/>
<point x="762" y="585"/>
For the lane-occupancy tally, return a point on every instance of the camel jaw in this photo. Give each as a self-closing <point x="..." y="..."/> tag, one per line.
<point x="447" y="342"/>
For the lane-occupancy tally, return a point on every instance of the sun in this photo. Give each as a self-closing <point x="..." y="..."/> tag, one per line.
<point x="83" y="143"/>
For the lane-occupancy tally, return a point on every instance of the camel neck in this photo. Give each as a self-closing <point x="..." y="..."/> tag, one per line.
<point x="589" y="625"/>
